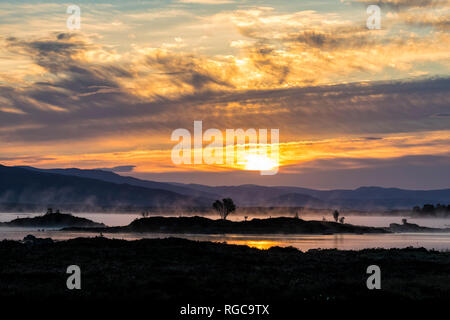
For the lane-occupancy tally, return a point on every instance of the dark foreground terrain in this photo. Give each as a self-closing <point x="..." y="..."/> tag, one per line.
<point x="185" y="271"/>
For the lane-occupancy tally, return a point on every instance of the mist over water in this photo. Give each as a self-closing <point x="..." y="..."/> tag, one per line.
<point x="375" y="220"/>
<point x="437" y="241"/>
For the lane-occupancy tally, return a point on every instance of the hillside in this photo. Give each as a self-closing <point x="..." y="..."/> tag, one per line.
<point x="109" y="190"/>
<point x="200" y="225"/>
<point x="363" y="198"/>
<point x="19" y="186"/>
<point x="53" y="220"/>
<point x="112" y="177"/>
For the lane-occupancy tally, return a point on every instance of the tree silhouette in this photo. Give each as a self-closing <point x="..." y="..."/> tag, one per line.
<point x="432" y="210"/>
<point x="224" y="207"/>
<point x="336" y="215"/>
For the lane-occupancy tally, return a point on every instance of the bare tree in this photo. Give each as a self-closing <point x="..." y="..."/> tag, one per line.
<point x="336" y="215"/>
<point x="224" y="207"/>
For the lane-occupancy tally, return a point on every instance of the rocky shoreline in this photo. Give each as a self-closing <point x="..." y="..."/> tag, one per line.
<point x="53" y="220"/>
<point x="282" y="225"/>
<point x="201" y="225"/>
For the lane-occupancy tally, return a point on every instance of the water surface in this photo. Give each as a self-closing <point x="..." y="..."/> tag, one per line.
<point x="438" y="241"/>
<point x="121" y="219"/>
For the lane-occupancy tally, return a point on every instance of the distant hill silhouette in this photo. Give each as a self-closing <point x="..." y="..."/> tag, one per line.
<point x="109" y="176"/>
<point x="22" y="186"/>
<point x="363" y="198"/>
<point x="28" y="185"/>
<point x="297" y="200"/>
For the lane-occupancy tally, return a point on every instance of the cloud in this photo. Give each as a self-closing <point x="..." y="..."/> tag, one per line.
<point x="442" y="115"/>
<point x="341" y="163"/>
<point x="26" y="159"/>
<point x="418" y="13"/>
<point x="308" y="47"/>
<point x="402" y="4"/>
<point x="439" y="20"/>
<point x="119" y="169"/>
<point x="422" y="172"/>
<point x="82" y="98"/>
<point x="92" y="111"/>
<point x="186" y="69"/>
<point x="207" y="1"/>
<point x="332" y="87"/>
<point x="333" y="40"/>
<point x="280" y="50"/>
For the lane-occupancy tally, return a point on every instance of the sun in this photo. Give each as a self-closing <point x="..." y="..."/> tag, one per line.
<point x="259" y="163"/>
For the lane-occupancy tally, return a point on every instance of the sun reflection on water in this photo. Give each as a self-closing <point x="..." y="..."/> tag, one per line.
<point x="262" y="245"/>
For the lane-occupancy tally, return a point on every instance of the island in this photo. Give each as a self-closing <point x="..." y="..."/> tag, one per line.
<point x="201" y="225"/>
<point x="407" y="227"/>
<point x="53" y="220"/>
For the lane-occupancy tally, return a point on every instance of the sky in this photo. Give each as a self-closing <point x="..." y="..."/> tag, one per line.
<point x="354" y="106"/>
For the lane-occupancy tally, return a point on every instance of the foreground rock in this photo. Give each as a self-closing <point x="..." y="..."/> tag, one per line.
<point x="32" y="240"/>
<point x="184" y="271"/>
<point x="53" y="220"/>
<point x="199" y="225"/>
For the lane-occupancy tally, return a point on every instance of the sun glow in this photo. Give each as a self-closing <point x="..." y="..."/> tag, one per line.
<point x="262" y="245"/>
<point x="259" y="163"/>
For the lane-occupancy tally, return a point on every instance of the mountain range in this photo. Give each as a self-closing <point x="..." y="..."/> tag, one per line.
<point x="95" y="188"/>
<point x="22" y="187"/>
